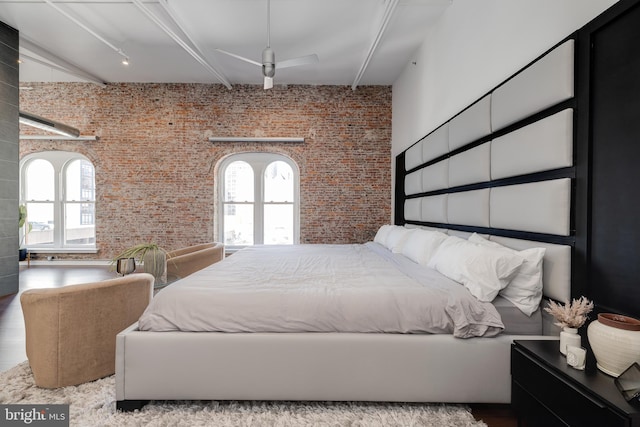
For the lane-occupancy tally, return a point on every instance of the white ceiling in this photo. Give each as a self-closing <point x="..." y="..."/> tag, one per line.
<point x="340" y="32"/>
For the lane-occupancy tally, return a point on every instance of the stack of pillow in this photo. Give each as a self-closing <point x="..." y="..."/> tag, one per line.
<point x="486" y="268"/>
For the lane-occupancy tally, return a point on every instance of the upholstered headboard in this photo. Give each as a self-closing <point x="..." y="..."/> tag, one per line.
<point x="503" y="167"/>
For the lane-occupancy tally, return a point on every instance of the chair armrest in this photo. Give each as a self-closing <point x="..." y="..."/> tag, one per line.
<point x="71" y="331"/>
<point x="189" y="249"/>
<point x="184" y="265"/>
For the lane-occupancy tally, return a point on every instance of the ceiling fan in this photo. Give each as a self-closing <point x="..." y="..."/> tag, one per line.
<point x="269" y="57"/>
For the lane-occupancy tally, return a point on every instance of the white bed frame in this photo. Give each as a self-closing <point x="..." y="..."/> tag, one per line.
<point x="399" y="367"/>
<point x="315" y="367"/>
<point x="325" y="366"/>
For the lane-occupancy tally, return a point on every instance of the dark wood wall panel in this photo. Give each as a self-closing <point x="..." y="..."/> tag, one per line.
<point x="614" y="248"/>
<point x="9" y="156"/>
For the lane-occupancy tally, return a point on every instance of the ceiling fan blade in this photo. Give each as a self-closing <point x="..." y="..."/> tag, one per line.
<point x="301" y="60"/>
<point x="268" y="82"/>
<point x="242" y="58"/>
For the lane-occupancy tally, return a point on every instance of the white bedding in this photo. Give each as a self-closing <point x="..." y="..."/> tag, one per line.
<point x="320" y="288"/>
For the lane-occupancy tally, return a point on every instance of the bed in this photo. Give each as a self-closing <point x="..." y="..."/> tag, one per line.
<point x="254" y="356"/>
<point x="501" y="172"/>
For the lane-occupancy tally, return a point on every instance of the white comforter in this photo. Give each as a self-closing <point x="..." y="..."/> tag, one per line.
<point x="320" y="288"/>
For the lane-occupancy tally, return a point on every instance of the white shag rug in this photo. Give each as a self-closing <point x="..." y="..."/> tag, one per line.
<point x="93" y="405"/>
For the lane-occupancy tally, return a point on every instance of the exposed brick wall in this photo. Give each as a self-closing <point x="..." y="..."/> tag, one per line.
<point x="156" y="170"/>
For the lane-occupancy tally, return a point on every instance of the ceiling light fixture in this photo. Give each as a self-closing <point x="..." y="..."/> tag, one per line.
<point x="48" y="125"/>
<point x="125" y="60"/>
<point x="86" y="28"/>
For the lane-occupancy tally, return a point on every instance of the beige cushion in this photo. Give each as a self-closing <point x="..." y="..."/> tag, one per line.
<point x="544" y="145"/>
<point x="539" y="207"/>
<point x="413" y="209"/>
<point x="413" y="183"/>
<point x="436" y="143"/>
<point x="71" y="331"/>
<point x="434" y="208"/>
<point x="469" y="208"/>
<point x="436" y="176"/>
<point x="471" y="166"/>
<point x="543" y="84"/>
<point x="413" y="158"/>
<point x="471" y="124"/>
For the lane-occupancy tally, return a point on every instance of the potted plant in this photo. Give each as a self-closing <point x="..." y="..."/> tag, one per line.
<point x="151" y="255"/>
<point x="22" y="221"/>
<point x="570" y="317"/>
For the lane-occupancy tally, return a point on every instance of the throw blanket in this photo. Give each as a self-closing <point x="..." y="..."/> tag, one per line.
<point x="320" y="288"/>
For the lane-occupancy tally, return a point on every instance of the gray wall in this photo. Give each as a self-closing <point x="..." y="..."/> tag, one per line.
<point x="9" y="158"/>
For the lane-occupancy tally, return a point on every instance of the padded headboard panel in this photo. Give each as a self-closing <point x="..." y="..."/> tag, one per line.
<point x="504" y="167"/>
<point x="471" y="124"/>
<point x="544" y="145"/>
<point x="544" y="83"/>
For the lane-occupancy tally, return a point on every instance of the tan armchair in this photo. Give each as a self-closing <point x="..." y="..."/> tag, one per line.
<point x="71" y="331"/>
<point x="185" y="261"/>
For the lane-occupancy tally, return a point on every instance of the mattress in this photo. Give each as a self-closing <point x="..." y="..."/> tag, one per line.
<point x="515" y="321"/>
<point x="320" y="288"/>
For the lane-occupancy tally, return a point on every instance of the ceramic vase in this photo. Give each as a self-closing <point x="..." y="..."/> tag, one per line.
<point x="569" y="336"/>
<point x="615" y="341"/>
<point x="155" y="263"/>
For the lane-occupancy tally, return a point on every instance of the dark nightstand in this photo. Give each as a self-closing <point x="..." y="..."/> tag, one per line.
<point x="545" y="391"/>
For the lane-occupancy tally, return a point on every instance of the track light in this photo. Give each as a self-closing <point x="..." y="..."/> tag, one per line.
<point x="48" y="125"/>
<point x="125" y="60"/>
<point x="86" y="27"/>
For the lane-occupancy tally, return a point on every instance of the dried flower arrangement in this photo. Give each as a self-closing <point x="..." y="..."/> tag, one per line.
<point x="571" y="315"/>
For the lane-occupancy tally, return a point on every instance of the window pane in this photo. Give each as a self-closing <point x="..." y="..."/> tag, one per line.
<point x="278" y="182"/>
<point x="238" y="224"/>
<point x="40" y="218"/>
<point x="40" y="181"/>
<point x="278" y="224"/>
<point x="80" y="182"/>
<point x="238" y="182"/>
<point x="79" y="224"/>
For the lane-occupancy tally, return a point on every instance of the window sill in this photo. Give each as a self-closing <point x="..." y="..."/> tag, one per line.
<point x="38" y="250"/>
<point x="67" y="263"/>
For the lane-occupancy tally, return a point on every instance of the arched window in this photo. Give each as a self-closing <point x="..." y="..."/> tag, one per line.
<point x="259" y="200"/>
<point x="58" y="189"/>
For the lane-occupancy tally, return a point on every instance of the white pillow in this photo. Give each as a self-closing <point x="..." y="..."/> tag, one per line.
<point x="396" y="238"/>
<point x="525" y="289"/>
<point x="484" y="271"/>
<point x="382" y="234"/>
<point x="422" y="244"/>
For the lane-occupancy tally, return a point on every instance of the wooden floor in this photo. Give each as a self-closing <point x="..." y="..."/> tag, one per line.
<point x="12" y="344"/>
<point x="495" y="415"/>
<point x="12" y="341"/>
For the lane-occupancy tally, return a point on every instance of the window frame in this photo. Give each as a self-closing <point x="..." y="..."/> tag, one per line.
<point x="258" y="161"/>
<point x="60" y="161"/>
